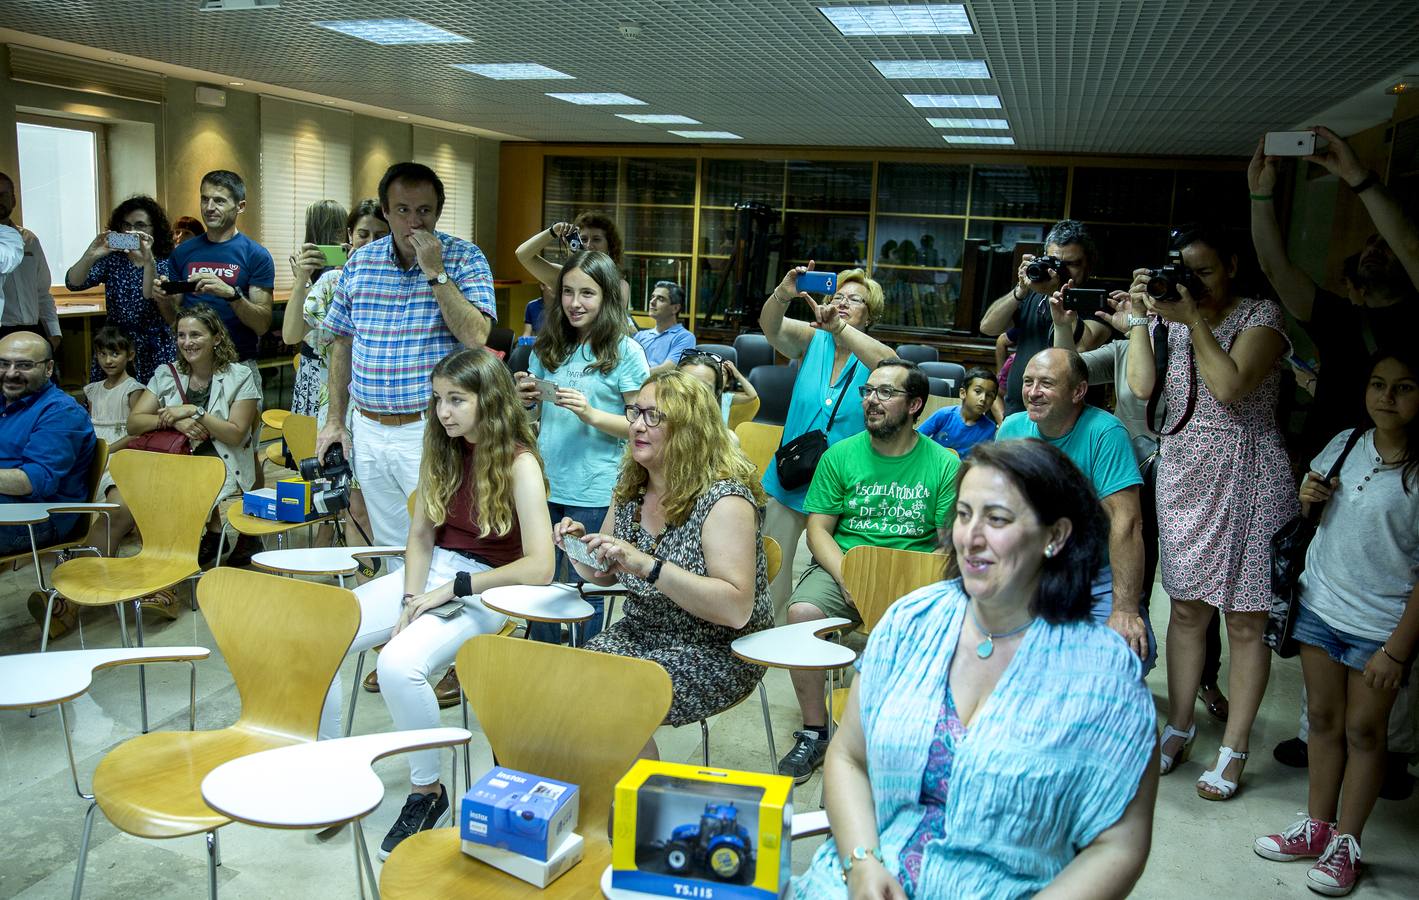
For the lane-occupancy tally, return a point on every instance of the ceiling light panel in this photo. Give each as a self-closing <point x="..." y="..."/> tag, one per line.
<point x="932" y="68"/>
<point x="596" y="99"/>
<point x="979" y="139"/>
<point x="710" y="135"/>
<point x="984" y="124"/>
<point x="953" y="101"/>
<point x="915" y="18"/>
<point x="512" y="71"/>
<point x="393" y="31"/>
<point x="657" y="119"/>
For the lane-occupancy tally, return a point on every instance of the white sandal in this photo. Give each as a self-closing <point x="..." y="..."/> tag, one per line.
<point x="1213" y="778"/>
<point x="1167" y="763"/>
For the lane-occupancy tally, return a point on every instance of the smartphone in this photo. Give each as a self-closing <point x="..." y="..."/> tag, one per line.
<point x="448" y="610"/>
<point x="334" y="254"/>
<point x="578" y="551"/>
<point x="123" y="240"/>
<point x="547" y="390"/>
<point x="818" y="283"/>
<point x="1289" y="143"/>
<point x="178" y="287"/>
<point x="1085" y="301"/>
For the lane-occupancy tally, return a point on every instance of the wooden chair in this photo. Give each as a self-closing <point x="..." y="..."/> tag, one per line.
<point x="934" y="403"/>
<point x="170" y="497"/>
<point x="282" y="639"/>
<point x="758" y="441"/>
<point x="299" y="432"/>
<point x="557" y="724"/>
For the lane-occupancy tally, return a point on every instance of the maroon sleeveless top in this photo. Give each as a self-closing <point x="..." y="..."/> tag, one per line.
<point x="460" y="531"/>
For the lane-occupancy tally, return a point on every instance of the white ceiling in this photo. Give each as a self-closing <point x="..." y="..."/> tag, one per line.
<point x="1167" y="77"/>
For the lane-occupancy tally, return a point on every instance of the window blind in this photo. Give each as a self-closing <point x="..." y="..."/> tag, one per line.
<point x="451" y="157"/>
<point x="305" y="158"/>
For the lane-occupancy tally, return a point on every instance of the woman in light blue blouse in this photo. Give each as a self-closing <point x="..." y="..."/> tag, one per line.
<point x="1010" y="740"/>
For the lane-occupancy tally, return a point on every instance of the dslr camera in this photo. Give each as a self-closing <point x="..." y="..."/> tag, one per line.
<point x="334" y="470"/>
<point x="1038" y="269"/>
<point x="1163" y="281"/>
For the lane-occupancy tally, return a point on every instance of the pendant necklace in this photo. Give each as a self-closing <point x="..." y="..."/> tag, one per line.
<point x="986" y="647"/>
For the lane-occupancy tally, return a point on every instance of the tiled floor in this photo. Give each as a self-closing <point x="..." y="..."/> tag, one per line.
<point x="1199" y="848"/>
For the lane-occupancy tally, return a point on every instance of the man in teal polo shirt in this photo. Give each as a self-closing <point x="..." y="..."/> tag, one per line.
<point x="1054" y="385"/>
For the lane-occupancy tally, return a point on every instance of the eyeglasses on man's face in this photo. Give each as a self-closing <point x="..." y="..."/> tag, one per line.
<point x="651" y="415"/>
<point x="884" y="393"/>
<point x="20" y="365"/>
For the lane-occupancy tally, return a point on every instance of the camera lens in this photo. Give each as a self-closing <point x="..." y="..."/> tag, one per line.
<point x="1160" y="287"/>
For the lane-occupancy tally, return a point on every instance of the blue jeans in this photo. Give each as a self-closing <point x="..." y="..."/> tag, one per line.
<point x="1349" y="650"/>
<point x="590" y="518"/>
<point x="16" y="538"/>
<point x="1102" y="590"/>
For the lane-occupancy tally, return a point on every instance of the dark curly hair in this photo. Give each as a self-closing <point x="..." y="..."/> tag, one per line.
<point x="162" y="231"/>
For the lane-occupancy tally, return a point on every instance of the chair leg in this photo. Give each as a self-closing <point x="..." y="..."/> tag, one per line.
<point x="142" y="677"/>
<point x="768" y="726"/>
<point x="213" y="860"/>
<point x="354" y="692"/>
<point x="48" y="614"/>
<point x="467" y="762"/>
<point x="359" y="867"/>
<point x="84" y="850"/>
<point x="364" y="851"/>
<point x="704" y="740"/>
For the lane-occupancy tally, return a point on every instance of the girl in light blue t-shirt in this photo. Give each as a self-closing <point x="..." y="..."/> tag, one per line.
<point x="595" y="369"/>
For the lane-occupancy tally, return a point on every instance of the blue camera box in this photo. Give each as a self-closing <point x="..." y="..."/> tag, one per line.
<point x="515" y="811"/>
<point x="261" y="504"/>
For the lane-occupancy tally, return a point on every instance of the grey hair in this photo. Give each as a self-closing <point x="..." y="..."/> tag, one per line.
<point x="1072" y="231"/>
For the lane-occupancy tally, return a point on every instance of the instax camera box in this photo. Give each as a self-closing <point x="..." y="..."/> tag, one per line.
<point x="534" y="872"/>
<point x="262" y="504"/>
<point x="512" y="810"/>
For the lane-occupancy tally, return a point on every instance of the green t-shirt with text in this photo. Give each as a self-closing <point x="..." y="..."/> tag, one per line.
<point x="885" y="501"/>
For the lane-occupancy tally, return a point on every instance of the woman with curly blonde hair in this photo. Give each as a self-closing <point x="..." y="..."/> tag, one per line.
<point x="480" y="521"/>
<point x="682" y="535"/>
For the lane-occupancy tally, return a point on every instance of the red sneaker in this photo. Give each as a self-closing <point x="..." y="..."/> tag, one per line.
<point x="1334" y="875"/>
<point x="1306" y="839"/>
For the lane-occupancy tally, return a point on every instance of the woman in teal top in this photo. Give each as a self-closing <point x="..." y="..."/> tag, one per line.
<point x="837" y="356"/>
<point x="997" y="742"/>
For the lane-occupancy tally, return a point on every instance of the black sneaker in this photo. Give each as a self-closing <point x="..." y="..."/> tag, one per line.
<point x="243" y="550"/>
<point x="1293" y="753"/>
<point x="806" y="756"/>
<point x="207" y="552"/>
<point x="421" y="812"/>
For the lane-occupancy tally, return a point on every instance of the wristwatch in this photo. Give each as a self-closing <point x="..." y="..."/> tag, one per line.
<point x="654" y="575"/>
<point x="236" y="294"/>
<point x="201" y="411"/>
<point x="1135" y="321"/>
<point x="440" y="278"/>
<point x="857" y="855"/>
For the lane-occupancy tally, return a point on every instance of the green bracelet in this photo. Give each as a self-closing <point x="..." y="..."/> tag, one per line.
<point x="1261" y="197"/>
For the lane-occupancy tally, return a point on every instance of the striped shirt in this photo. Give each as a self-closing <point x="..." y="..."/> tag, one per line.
<point x="393" y="320"/>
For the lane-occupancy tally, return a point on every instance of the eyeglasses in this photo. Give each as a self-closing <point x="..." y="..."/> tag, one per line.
<point x="849" y="299"/>
<point x="883" y="393"/>
<point x="652" y="416"/>
<point x="20" y="365"/>
<point x="693" y="353"/>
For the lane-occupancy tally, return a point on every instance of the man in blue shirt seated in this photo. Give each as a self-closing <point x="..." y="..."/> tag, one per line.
<point x="664" y="343"/>
<point x="1053" y="388"/>
<point x="46" y="442"/>
<point x="962" y="427"/>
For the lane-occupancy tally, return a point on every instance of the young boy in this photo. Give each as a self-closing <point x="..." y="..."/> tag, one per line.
<point x="962" y="427"/>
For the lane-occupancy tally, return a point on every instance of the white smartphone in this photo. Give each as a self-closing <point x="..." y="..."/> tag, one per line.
<point x="1289" y="143"/>
<point x="547" y="390"/>
<point x="581" y="553"/>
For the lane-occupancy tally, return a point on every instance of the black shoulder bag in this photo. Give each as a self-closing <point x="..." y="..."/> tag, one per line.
<point x="1288" y="560"/>
<point x="797" y="460"/>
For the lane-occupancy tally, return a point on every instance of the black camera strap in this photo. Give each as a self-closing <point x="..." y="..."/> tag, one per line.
<point x="1160" y="373"/>
<point x="846" y="378"/>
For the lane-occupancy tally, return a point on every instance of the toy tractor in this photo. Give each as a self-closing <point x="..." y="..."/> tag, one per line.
<point x="718" y="846"/>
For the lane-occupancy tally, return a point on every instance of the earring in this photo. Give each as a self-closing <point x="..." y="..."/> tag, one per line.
<point x="1049" y="551"/>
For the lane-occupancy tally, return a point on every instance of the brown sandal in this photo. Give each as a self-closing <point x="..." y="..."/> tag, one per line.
<point x="1217" y="706"/>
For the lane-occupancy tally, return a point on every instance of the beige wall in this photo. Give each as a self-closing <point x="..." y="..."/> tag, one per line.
<point x="9" y="149"/>
<point x="378" y="144"/>
<point x="200" y="139"/>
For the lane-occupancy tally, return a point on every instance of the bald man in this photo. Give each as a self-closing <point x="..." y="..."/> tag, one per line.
<point x="46" y="441"/>
<point x="1053" y="388"/>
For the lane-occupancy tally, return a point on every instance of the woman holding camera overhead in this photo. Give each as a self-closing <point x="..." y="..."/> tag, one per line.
<point x="590" y="231"/>
<point x="1224" y="480"/>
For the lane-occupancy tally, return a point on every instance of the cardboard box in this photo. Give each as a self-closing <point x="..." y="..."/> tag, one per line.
<point x="689" y="831"/>
<point x="293" y="500"/>
<point x="522" y="813"/>
<point x="534" y="872"/>
<point x="261" y="504"/>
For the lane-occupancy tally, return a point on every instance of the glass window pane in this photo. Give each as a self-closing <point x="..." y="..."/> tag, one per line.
<point x="583" y="180"/>
<point x="1217" y="197"/>
<point x="1018" y="192"/>
<point x="1123" y="248"/>
<point x="829" y="185"/>
<point x="922" y="188"/>
<point x="825" y="238"/>
<point x="917" y="299"/>
<point x="1121" y="195"/>
<point x="642" y="272"/>
<point x="660" y="181"/>
<point x="728" y="181"/>
<point x="647" y="229"/>
<point x="59" y="191"/>
<point x="1005" y="233"/>
<point x="904" y="241"/>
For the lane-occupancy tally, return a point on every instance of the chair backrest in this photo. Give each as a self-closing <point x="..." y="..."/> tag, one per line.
<point x="500" y="340"/>
<point x="876" y="577"/>
<point x="560" y="724"/>
<point x="170" y="495"/>
<point x="753" y="350"/>
<point x="952" y="373"/>
<point x="758" y="441"/>
<point x="518" y="357"/>
<point x="723" y="350"/>
<point x="773" y="557"/>
<point x="775" y="387"/>
<point x="935" y="403"/>
<point x="299" y="432"/>
<point x="282" y="639"/>
<point x="939" y="387"/>
<point x="97" y="466"/>
<point x="918" y="353"/>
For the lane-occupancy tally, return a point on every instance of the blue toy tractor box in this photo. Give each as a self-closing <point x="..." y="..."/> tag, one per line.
<point x="512" y="810"/>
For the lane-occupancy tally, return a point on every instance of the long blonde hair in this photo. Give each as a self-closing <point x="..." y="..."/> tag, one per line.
<point x="500" y="434"/>
<point x="697" y="452"/>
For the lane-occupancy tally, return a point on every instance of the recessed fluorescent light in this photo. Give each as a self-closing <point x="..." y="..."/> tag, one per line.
<point x="915" y="18"/>
<point x="709" y="135"/>
<point x="657" y="119"/>
<point x="393" y="31"/>
<point x="511" y="71"/>
<point x="236" y="83"/>
<point x="401" y="117"/>
<point x="978" y="139"/>
<point x="594" y="99"/>
<point x="984" y="124"/>
<point x="932" y="68"/>
<point x="954" y="101"/>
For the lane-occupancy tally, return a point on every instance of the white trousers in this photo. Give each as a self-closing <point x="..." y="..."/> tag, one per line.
<point x="411" y="658"/>
<point x="386" y="462"/>
<point x="785" y="525"/>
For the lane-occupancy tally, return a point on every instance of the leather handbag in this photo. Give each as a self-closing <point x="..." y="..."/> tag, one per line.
<point x="797" y="460"/>
<point x="165" y="440"/>
<point x="1288" y="561"/>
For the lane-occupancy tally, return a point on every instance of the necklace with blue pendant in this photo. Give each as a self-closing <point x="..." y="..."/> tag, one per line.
<point x="986" y="647"/>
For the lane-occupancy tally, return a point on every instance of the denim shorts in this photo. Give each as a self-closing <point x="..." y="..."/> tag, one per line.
<point x="1349" y="650"/>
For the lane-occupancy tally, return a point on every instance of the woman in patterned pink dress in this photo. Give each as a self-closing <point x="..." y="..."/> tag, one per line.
<point x="1224" y="485"/>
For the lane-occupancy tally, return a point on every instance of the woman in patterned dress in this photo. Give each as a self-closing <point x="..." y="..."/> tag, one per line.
<point x="1224" y="485"/>
<point x="683" y="535"/>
